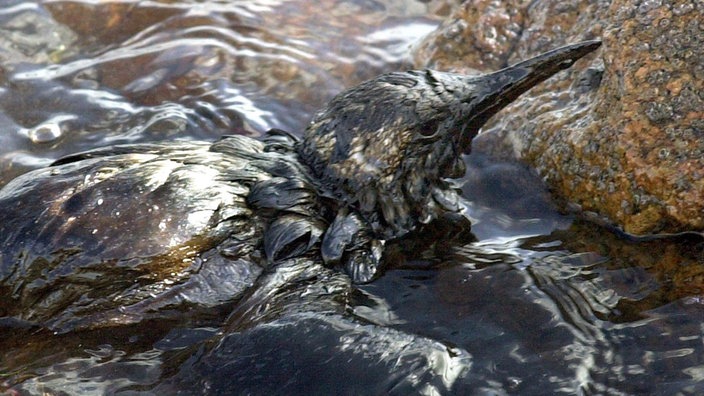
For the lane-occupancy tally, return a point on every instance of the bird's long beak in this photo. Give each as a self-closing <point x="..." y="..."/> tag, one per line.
<point x="494" y="91"/>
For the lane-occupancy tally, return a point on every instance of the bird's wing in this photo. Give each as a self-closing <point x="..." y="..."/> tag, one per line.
<point x="110" y="229"/>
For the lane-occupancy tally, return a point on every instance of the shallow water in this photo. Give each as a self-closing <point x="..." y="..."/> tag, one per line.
<point x="83" y="74"/>
<point x="541" y="303"/>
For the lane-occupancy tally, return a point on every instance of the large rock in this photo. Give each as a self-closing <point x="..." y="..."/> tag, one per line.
<point x="622" y="132"/>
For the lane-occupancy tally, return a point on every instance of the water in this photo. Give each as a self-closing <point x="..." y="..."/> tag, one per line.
<point x="77" y="75"/>
<point x="541" y="303"/>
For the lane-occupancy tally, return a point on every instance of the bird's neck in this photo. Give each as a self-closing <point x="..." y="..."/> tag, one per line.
<point x="392" y="203"/>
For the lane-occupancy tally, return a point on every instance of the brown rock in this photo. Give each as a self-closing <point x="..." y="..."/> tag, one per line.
<point x="621" y="133"/>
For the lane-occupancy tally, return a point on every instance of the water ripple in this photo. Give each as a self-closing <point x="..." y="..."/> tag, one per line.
<point x="153" y="70"/>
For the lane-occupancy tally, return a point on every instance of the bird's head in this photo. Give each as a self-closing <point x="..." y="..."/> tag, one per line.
<point x="385" y="147"/>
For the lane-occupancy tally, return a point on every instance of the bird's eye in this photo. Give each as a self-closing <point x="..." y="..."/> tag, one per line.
<point x="429" y="129"/>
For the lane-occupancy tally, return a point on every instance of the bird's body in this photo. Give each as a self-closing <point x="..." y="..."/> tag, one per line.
<point x="115" y="235"/>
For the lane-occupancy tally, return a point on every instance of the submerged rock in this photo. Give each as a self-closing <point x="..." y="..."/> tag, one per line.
<point x="621" y="134"/>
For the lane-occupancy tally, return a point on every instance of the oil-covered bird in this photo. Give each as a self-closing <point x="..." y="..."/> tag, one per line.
<point x="123" y="233"/>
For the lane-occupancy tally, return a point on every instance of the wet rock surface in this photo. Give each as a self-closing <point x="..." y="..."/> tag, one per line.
<point x="620" y="133"/>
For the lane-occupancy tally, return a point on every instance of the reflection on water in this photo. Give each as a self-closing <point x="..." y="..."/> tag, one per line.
<point x="540" y="303"/>
<point x="77" y="75"/>
<point x="551" y="319"/>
